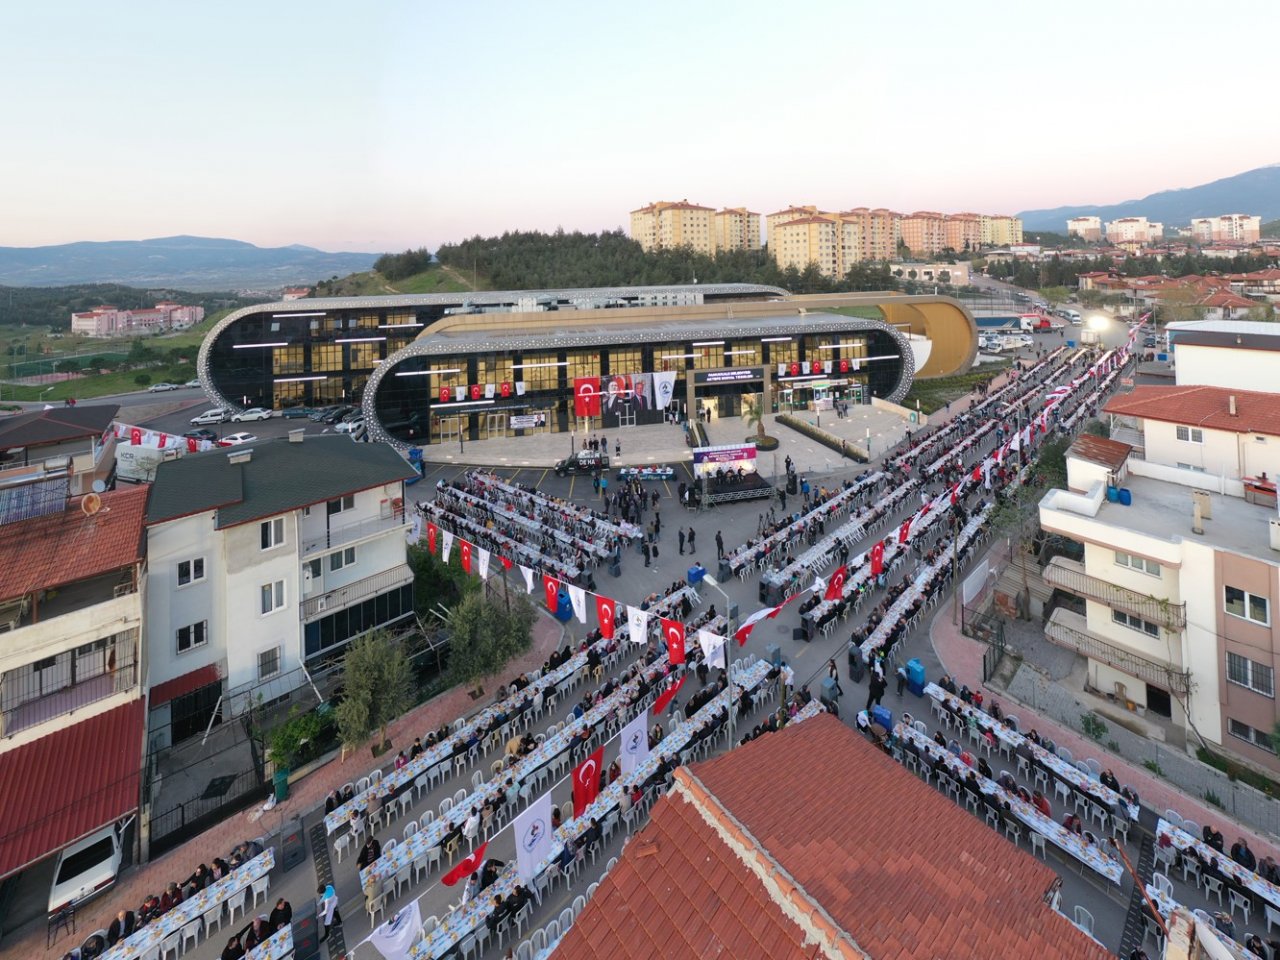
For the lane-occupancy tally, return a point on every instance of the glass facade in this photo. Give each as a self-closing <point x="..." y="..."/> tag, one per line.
<point x="321" y="636"/>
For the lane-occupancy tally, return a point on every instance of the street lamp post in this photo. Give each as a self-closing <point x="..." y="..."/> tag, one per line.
<point x="729" y="610"/>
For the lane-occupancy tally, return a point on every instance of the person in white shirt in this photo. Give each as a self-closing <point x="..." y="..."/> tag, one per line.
<point x="328" y="909"/>
<point x="471" y="826"/>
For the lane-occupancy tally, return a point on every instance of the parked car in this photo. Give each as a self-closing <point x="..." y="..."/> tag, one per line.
<point x="192" y="383"/>
<point x="350" y="426"/>
<point x="336" y="414"/>
<point x="584" y="461"/>
<point x="85" y="869"/>
<point x="253" y="413"/>
<point x="294" y="413"/>
<point x="236" y="439"/>
<point x="201" y="434"/>
<point x="216" y="415"/>
<point x="162" y="387"/>
<point x="319" y="413"/>
<point x="1150" y="343"/>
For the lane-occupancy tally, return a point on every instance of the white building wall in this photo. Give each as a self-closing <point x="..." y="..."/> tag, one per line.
<point x="249" y="632"/>
<point x="170" y="606"/>
<point x="1201" y="639"/>
<point x="1223" y="367"/>
<point x="1222" y="454"/>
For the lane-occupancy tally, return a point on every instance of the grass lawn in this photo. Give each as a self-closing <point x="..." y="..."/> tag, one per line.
<point x="866" y="313"/>
<point x="937" y="393"/>
<point x="103" y="385"/>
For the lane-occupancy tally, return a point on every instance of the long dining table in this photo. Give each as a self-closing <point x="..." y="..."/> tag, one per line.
<point x="278" y="946"/>
<point x="566" y="509"/>
<point x="459" y="923"/>
<point x="1238" y="873"/>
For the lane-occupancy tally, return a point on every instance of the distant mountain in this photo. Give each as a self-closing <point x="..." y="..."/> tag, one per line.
<point x="1254" y="192"/>
<point x="188" y="263"/>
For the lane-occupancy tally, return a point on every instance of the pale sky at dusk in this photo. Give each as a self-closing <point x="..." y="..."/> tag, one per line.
<point x="376" y="126"/>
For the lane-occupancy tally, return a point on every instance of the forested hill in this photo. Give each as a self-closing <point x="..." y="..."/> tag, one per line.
<point x="537" y="261"/>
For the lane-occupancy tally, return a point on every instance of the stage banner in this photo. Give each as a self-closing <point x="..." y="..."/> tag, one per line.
<point x="707" y="460"/>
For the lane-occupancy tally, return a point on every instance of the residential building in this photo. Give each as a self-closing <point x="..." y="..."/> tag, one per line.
<point x="880" y="231"/>
<point x="815" y="240"/>
<point x="1228" y="228"/>
<point x="749" y="880"/>
<point x="924" y="232"/>
<point x="109" y="321"/>
<point x="772" y="220"/>
<point x="77" y="442"/>
<point x="963" y="232"/>
<point x="295" y="293"/>
<point x="264" y="560"/>
<point x="1088" y="229"/>
<point x="999" y="230"/>
<point x="1128" y="230"/>
<point x="71" y="706"/>
<point x="737" y="228"/>
<point x="1263" y="284"/>
<point x="1238" y="355"/>
<point x="1181" y="571"/>
<point x="956" y="274"/>
<point x="666" y="225"/>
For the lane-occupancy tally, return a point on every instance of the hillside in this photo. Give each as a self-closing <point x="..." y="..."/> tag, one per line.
<point x="52" y="306"/>
<point x="189" y="263"/>
<point x="1271" y="229"/>
<point x="435" y="279"/>
<point x="1254" y="192"/>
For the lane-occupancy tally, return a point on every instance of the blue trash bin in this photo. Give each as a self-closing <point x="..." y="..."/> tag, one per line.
<point x="915" y="676"/>
<point x="1126" y="497"/>
<point x="773" y="653"/>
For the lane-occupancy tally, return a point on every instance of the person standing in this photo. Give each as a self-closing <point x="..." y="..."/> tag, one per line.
<point x="877" y="690"/>
<point x="834" y="674"/>
<point x="617" y="448"/>
<point x="719" y="545"/>
<point x="328" y="909"/>
<point x="646" y="553"/>
<point x="657" y="522"/>
<point x="692" y="536"/>
<point x="680" y="538"/>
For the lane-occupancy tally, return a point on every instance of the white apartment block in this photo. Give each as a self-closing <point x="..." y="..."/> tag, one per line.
<point x="109" y="321"/>
<point x="1228" y="228"/>
<point x="1088" y="229"/>
<point x="1133" y="230"/>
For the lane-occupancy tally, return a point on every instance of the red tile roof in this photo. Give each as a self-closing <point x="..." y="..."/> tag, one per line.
<point x="1108" y="453"/>
<point x="1202" y="406"/>
<point x="57" y="789"/>
<point x="67" y="546"/>
<point x="788" y="830"/>
<point x="162" y="693"/>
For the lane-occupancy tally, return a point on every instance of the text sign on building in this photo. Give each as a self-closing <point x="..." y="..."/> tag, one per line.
<point x="735" y="375"/>
<point x="528" y="421"/>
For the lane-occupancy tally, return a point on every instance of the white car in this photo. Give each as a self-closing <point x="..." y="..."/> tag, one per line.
<point x="350" y="426"/>
<point x="192" y="383"/>
<point x="253" y="413"/>
<point x="162" y="387"/>
<point x="216" y="415"/>
<point x="235" y="439"/>
<point x="85" y="869"/>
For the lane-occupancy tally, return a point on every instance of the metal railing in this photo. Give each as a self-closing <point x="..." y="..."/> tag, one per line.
<point x="351" y="532"/>
<point x="354" y="592"/>
<point x="1059" y="630"/>
<point x="68" y="682"/>
<point x="1070" y="576"/>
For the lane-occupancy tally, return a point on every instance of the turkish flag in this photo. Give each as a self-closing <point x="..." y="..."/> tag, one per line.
<point x="432" y="530"/>
<point x="466" y="866"/>
<point x="476" y="391"/>
<point x="673" y="633"/>
<point x="955" y="489"/>
<point x="551" y="590"/>
<point x="506" y="563"/>
<point x="586" y="781"/>
<point x="445" y="394"/>
<point x="816" y="366"/>
<point x="466" y="557"/>
<point x="504" y="389"/>
<point x="586" y="396"/>
<point x="667" y="696"/>
<point x="749" y="624"/>
<point x="135" y="436"/>
<point x="835" y="586"/>
<point x="844" y="366"/>
<point x="877" y="559"/>
<point x="192" y="445"/>
<point x="606" y="610"/>
<point x="795" y="368"/>
<point x="904" y="531"/>
<point x="977" y="472"/>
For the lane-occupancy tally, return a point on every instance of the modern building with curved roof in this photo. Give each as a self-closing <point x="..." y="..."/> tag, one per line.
<point x="432" y="368"/>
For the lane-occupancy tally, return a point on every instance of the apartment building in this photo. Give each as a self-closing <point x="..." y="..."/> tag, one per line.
<point x="737" y="228"/>
<point x="880" y="230"/>
<point x="109" y="321"/>
<point x="1228" y="228"/>
<point x="963" y="232"/>
<point x="999" y="230"/>
<point x="773" y="220"/>
<point x="264" y="560"/>
<point x="814" y="239"/>
<point x="1133" y="230"/>
<point x="71" y="707"/>
<point x="1088" y="229"/>
<point x="924" y="232"/>
<point x="1181" y="568"/>
<point x="665" y="225"/>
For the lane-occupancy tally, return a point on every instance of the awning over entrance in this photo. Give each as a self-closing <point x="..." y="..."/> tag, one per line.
<point x="59" y="788"/>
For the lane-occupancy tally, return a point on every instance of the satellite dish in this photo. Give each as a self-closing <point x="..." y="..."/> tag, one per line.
<point x="99" y="486"/>
<point x="91" y="503"/>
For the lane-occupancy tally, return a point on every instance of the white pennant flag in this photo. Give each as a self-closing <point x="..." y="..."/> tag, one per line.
<point x="638" y="624"/>
<point x="534" y="837"/>
<point x="448" y="545"/>
<point x="578" y="597"/>
<point x="519" y="388"/>
<point x="712" y="648"/>
<point x="484" y="562"/>
<point x="633" y="745"/>
<point x="664" y="386"/>
<point x="528" y="578"/>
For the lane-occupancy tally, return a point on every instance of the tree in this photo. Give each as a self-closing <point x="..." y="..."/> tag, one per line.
<point x="378" y="687"/>
<point x="436" y="583"/>
<point x="67" y="366"/>
<point x="485" y="634"/>
<point x="753" y="411"/>
<point x="142" y="379"/>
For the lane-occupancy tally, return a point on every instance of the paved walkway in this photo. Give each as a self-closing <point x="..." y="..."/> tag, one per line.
<point x="641" y="445"/>
<point x="305" y="796"/>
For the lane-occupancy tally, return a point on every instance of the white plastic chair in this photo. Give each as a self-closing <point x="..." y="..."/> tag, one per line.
<point x="260" y="887"/>
<point x="190" y="933"/>
<point x="1084" y="919"/>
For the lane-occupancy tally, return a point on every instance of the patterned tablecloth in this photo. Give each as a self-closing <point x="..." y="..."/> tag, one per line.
<point x="211" y="896"/>
<point x="276" y="947"/>
<point x="810" y="709"/>
<point x="1242" y="875"/>
<point x="471" y="914"/>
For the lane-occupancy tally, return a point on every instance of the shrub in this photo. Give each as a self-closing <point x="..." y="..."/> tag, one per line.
<point x="1092" y="726"/>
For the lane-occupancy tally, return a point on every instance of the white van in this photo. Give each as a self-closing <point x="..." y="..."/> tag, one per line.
<point x="1072" y="315"/>
<point x="85" y="869"/>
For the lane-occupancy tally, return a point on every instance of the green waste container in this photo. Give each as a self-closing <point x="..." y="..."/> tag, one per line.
<point x="281" y="783"/>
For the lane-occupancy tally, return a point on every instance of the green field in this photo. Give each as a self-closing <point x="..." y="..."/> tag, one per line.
<point x="866" y="313"/>
<point x="437" y="279"/>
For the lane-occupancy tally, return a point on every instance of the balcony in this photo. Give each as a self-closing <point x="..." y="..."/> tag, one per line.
<point x="327" y="603"/>
<point x="1069" y="575"/>
<point x="1067" y="629"/>
<point x="338" y="536"/>
<point x="62" y="684"/>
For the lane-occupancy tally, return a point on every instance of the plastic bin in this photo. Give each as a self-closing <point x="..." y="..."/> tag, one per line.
<point x="882" y="715"/>
<point x="773" y="653"/>
<point x="280" y="781"/>
<point x="1113" y="494"/>
<point x="1126" y="497"/>
<point x="829" y="689"/>
<point x="915" y="676"/>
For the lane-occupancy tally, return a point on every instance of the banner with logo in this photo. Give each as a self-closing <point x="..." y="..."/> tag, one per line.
<point x="533" y="837"/>
<point x="638" y="624"/>
<point x="626" y="397"/>
<point x="578" y="597"/>
<point x="527" y="421"/>
<point x="707" y="460"/>
<point x="586" y="396"/>
<point x="664" y="388"/>
<point x="712" y="648"/>
<point x="448" y="546"/>
<point x="633" y="745"/>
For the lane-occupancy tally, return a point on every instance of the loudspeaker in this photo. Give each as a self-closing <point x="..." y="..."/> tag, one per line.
<point x="306" y="932"/>
<point x="293" y="845"/>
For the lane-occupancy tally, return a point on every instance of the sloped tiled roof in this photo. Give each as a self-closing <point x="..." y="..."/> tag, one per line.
<point x="1108" y="453"/>
<point x="1202" y="406"/>
<point x="61" y="548"/>
<point x="814" y="825"/>
<point x="61" y="787"/>
<point x="59" y="425"/>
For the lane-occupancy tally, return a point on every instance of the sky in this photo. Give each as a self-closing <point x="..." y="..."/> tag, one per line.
<point x="384" y="125"/>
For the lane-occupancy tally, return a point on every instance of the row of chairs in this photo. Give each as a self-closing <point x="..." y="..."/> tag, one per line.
<point x="178" y="942"/>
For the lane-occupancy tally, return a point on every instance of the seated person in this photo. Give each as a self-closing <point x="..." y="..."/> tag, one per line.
<point x="234" y="950"/>
<point x="258" y="932"/>
<point x="121" y="927"/>
<point x="369" y="853"/>
<point x="281" y="914"/>
<point x="498" y="915"/>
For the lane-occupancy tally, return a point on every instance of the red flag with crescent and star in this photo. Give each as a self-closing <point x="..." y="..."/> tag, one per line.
<point x="506" y="563"/>
<point x="904" y="531"/>
<point x="667" y="696"/>
<point x="477" y="391"/>
<point x="551" y="591"/>
<point x="466" y="866"/>
<point x="586" y="781"/>
<point x="466" y="557"/>
<point x="445" y="394"/>
<point x="673" y="633"/>
<point x="432" y="532"/>
<point x="586" y="396"/>
<point x="606" y="610"/>
<point x="835" y="586"/>
<point x="504" y="389"/>
<point x="877" y="559"/>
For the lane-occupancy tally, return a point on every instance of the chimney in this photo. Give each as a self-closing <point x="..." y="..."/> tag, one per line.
<point x="1231" y="405"/>
<point x="295" y="436"/>
<point x="1197" y="522"/>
